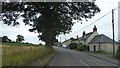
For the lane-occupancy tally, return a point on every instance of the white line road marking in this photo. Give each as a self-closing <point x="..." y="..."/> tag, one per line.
<point x="84" y="62"/>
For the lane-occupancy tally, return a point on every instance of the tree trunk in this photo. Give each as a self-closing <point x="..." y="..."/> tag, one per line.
<point x="48" y="39"/>
<point x="48" y="42"/>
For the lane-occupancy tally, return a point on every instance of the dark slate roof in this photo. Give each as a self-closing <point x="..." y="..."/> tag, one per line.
<point x="86" y="36"/>
<point x="101" y="39"/>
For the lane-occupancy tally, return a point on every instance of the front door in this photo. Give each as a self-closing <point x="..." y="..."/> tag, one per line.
<point x="94" y="47"/>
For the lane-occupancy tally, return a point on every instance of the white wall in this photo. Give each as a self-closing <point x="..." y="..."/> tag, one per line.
<point x="106" y="47"/>
<point x="91" y="47"/>
<point x="67" y="42"/>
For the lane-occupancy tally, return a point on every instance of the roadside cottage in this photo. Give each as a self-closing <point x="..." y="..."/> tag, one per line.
<point x="85" y="39"/>
<point x="94" y="42"/>
<point x="102" y="43"/>
<point x="66" y="43"/>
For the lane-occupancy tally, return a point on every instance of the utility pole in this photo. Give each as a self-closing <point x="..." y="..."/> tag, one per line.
<point x="113" y="32"/>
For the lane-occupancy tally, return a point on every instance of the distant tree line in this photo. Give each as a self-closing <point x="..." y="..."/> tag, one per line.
<point x="5" y="39"/>
<point x="19" y="39"/>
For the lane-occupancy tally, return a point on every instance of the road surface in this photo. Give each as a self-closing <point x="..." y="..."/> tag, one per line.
<point x="66" y="57"/>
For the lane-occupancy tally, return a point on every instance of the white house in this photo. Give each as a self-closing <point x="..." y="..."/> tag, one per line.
<point x="94" y="41"/>
<point x="66" y="43"/>
<point x="85" y="39"/>
<point x="102" y="43"/>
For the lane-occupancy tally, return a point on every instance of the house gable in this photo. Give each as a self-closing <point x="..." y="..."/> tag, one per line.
<point x="91" y="37"/>
<point x="86" y="38"/>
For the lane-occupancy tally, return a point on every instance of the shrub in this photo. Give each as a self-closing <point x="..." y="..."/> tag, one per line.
<point x="73" y="46"/>
<point x="81" y="47"/>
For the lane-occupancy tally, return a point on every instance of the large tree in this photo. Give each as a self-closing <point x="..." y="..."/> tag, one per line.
<point x="20" y="38"/>
<point x="5" y="39"/>
<point x="49" y="19"/>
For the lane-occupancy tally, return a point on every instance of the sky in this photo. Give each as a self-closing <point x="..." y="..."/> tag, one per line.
<point x="104" y="25"/>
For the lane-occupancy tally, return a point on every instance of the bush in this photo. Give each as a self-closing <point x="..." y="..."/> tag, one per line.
<point x="81" y="47"/>
<point x="73" y="46"/>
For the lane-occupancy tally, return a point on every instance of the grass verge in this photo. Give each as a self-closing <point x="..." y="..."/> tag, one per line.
<point x="21" y="55"/>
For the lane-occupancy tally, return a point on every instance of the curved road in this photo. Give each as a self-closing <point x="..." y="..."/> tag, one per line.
<point x="66" y="57"/>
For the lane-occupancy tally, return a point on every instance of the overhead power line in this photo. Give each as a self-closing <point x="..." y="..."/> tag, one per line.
<point x="100" y="18"/>
<point x="95" y="21"/>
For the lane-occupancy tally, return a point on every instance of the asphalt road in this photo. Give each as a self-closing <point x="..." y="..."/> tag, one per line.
<point x="66" y="57"/>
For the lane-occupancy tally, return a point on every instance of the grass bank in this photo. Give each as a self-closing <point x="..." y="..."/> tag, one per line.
<point x="16" y="54"/>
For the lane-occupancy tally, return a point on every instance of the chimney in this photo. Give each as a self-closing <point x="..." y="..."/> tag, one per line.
<point x="77" y="36"/>
<point x="94" y="29"/>
<point x="83" y="33"/>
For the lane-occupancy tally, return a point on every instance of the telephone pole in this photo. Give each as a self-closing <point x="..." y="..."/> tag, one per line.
<point x="113" y="32"/>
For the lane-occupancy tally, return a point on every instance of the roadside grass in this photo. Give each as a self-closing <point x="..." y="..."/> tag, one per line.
<point x="16" y="54"/>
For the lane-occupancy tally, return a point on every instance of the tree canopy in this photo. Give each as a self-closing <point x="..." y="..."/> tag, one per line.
<point x="20" y="38"/>
<point x="5" y="39"/>
<point x="49" y="19"/>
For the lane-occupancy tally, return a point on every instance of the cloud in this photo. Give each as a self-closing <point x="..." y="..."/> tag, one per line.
<point x="12" y="32"/>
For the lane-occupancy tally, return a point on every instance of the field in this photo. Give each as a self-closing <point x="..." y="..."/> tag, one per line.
<point x="16" y="54"/>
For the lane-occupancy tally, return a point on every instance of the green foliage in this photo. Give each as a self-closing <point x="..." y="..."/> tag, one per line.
<point x="40" y="43"/>
<point x="20" y="38"/>
<point x="49" y="18"/>
<point x="73" y="46"/>
<point x="81" y="47"/>
<point x="5" y="39"/>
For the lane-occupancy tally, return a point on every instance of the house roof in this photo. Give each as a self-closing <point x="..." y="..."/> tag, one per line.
<point x="71" y="39"/>
<point x="86" y="36"/>
<point x="66" y="40"/>
<point x="101" y="39"/>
